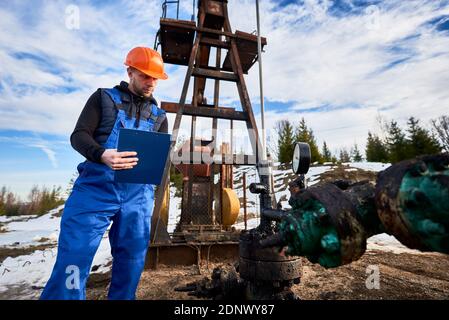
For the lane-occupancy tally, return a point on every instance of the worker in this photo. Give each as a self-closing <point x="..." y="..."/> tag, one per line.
<point x="96" y="200"/>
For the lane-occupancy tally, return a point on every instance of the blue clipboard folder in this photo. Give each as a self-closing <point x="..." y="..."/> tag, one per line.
<point x="152" y="150"/>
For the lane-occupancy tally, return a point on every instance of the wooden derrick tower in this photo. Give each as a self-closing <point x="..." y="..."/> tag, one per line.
<point x="203" y="224"/>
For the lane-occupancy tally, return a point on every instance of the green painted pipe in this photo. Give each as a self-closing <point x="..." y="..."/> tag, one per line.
<point x="329" y="224"/>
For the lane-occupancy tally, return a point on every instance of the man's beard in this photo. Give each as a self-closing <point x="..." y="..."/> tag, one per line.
<point x="144" y="93"/>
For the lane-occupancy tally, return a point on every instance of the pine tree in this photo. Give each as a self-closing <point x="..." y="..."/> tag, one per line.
<point x="420" y="141"/>
<point x="376" y="150"/>
<point x="327" y="155"/>
<point x="12" y="205"/>
<point x="344" y="155"/>
<point x="3" y="193"/>
<point x="69" y="188"/>
<point x="396" y="143"/>
<point x="285" y="141"/>
<point x="355" y="154"/>
<point x="304" y="134"/>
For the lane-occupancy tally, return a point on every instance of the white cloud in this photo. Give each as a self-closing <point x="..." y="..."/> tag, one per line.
<point x="33" y="96"/>
<point x="46" y="146"/>
<point x="312" y="59"/>
<point x="49" y="152"/>
<point x="316" y="59"/>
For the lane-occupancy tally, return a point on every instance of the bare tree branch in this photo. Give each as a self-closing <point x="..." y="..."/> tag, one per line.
<point x="441" y="128"/>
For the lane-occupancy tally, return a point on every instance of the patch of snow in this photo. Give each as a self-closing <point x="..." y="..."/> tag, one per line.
<point x="251" y="224"/>
<point x="23" y="272"/>
<point x="285" y="204"/>
<point x="7" y="219"/>
<point x="386" y="242"/>
<point x="285" y="194"/>
<point x="24" y="238"/>
<point x="103" y="256"/>
<point x="174" y="213"/>
<point x="53" y="237"/>
<point x="313" y="176"/>
<point x="32" y="230"/>
<point x="37" y="238"/>
<point x="35" y="269"/>
<point x="370" y="166"/>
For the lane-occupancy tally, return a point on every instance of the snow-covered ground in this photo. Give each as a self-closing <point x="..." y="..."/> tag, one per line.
<point x="30" y="229"/>
<point x="370" y="166"/>
<point x="14" y="218"/>
<point x="174" y="208"/>
<point x="386" y="242"/>
<point x="27" y="274"/>
<point x="250" y="224"/>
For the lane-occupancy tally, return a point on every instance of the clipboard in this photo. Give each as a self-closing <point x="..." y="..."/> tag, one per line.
<point x="152" y="150"/>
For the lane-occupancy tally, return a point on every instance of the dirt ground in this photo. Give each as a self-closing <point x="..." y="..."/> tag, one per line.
<point x="15" y="252"/>
<point x="345" y="172"/>
<point x="402" y="276"/>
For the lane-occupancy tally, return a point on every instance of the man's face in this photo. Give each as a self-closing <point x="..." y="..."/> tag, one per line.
<point x="140" y="83"/>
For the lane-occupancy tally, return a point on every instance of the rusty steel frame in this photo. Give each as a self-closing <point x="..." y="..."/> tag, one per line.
<point x="188" y="254"/>
<point x="159" y="234"/>
<point x="207" y="111"/>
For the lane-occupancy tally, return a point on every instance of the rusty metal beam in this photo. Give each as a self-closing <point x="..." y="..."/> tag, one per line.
<point x="217" y="213"/>
<point x="202" y="61"/>
<point x="236" y="159"/>
<point x="180" y="25"/>
<point x="227" y="33"/>
<point x="215" y="43"/>
<point x="203" y="111"/>
<point x="213" y="74"/>
<point x="184" y="254"/>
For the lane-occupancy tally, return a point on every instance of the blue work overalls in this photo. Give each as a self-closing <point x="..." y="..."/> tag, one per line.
<point x="95" y="202"/>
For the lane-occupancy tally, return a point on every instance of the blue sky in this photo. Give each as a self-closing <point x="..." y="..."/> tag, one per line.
<point x="341" y="65"/>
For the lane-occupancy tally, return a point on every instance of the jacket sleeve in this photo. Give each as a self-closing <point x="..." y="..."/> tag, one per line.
<point x="164" y="126"/>
<point x="82" y="138"/>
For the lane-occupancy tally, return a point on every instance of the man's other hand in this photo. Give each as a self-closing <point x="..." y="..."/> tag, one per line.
<point x="119" y="160"/>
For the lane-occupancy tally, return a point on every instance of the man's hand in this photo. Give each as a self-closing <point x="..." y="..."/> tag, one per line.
<point x="119" y="160"/>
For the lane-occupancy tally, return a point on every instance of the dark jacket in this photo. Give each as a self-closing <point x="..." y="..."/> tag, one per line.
<point x="96" y="122"/>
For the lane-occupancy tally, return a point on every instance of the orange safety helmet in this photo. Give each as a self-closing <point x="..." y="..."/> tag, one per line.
<point x="148" y="61"/>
